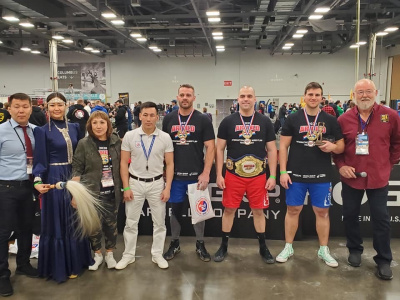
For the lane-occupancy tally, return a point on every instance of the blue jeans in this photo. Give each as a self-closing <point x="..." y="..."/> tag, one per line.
<point x="377" y="200"/>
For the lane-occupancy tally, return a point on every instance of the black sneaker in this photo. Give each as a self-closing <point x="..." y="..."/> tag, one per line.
<point x="354" y="259"/>
<point x="6" y="288"/>
<point x="202" y="251"/>
<point x="384" y="272"/>
<point x="27" y="270"/>
<point x="173" y="249"/>
<point x="221" y="254"/>
<point x="267" y="256"/>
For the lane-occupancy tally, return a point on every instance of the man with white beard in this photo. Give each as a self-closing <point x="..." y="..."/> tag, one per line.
<point x="372" y="146"/>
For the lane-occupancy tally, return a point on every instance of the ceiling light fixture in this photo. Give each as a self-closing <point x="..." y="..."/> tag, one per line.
<point x="354" y="46"/>
<point x="361" y="43"/>
<point x="212" y="13"/>
<point x="217" y="33"/>
<point x="301" y="31"/>
<point x="297" y="36"/>
<point x="214" y="20"/>
<point x="88" y="48"/>
<point x="57" y="37"/>
<point x="35" y="52"/>
<point x="141" y="39"/>
<point x="218" y="37"/>
<point x="157" y="50"/>
<point x="391" y="29"/>
<point x="315" y="17"/>
<point x="25" y="48"/>
<point x="95" y="51"/>
<point x="220" y="47"/>
<point x="289" y="45"/>
<point x="68" y="41"/>
<point x="381" y="33"/>
<point x="286" y="47"/>
<point x="322" y="9"/>
<point x="26" y="24"/>
<point x="136" y="35"/>
<point x="118" y="22"/>
<point x="9" y="15"/>
<point x="109" y="15"/>
<point x="1" y="42"/>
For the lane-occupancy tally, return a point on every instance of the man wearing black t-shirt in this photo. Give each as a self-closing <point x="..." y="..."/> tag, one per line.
<point x="312" y="136"/>
<point x="250" y="140"/>
<point x="190" y="131"/>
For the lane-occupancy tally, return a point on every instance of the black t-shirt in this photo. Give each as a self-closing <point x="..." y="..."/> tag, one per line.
<point x="103" y="148"/>
<point x="189" y="156"/>
<point x="4" y="115"/>
<point x="310" y="164"/>
<point x="231" y="129"/>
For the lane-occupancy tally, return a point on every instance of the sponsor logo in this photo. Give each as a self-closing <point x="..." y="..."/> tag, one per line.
<point x="201" y="206"/>
<point x="385" y="118"/>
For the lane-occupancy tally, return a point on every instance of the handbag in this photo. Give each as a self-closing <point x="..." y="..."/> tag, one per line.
<point x="200" y="204"/>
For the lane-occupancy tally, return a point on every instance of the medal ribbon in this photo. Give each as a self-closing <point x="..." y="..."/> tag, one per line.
<point x="308" y="121"/>
<point x="147" y="154"/>
<point x="182" y="127"/>
<point x="247" y="127"/>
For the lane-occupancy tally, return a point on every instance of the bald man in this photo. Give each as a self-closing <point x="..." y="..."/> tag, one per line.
<point x="250" y="139"/>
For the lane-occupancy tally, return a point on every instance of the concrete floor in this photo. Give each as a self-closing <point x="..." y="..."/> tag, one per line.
<point x="242" y="275"/>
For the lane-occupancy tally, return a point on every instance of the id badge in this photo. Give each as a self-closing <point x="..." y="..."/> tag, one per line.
<point x="107" y="179"/>
<point x="29" y="165"/>
<point x="362" y="144"/>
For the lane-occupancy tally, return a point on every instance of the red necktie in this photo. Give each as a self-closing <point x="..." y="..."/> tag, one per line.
<point x="28" y="143"/>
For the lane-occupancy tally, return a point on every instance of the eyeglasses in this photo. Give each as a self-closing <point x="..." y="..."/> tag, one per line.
<point x="367" y="92"/>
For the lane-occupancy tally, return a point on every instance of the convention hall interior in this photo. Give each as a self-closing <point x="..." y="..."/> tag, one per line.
<point x="143" y="50"/>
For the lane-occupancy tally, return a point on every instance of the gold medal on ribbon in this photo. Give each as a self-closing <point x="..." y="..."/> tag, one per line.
<point x="182" y="135"/>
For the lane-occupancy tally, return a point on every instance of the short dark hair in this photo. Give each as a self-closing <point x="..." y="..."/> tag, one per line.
<point x="313" y="85"/>
<point x="56" y="95"/>
<point x="35" y="102"/>
<point x="326" y="102"/>
<point x="19" y="96"/>
<point x="148" y="104"/>
<point x="119" y="101"/>
<point x="186" y="85"/>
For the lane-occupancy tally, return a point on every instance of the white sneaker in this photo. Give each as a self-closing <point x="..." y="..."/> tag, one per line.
<point x="325" y="255"/>
<point x="110" y="261"/>
<point x="160" y="261"/>
<point x="124" y="262"/>
<point x="98" y="259"/>
<point x="285" y="254"/>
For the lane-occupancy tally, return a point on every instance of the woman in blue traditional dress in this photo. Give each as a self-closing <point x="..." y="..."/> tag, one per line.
<point x="62" y="254"/>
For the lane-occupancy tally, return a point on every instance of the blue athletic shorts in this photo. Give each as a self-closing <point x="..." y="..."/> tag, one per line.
<point x="179" y="190"/>
<point x="320" y="194"/>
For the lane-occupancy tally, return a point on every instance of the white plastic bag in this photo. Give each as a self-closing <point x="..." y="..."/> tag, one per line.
<point x="200" y="204"/>
<point x="13" y="248"/>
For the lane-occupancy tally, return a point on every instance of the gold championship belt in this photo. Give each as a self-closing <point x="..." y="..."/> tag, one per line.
<point x="248" y="166"/>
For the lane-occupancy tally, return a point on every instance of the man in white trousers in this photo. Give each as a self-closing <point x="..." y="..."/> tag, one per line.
<point x="146" y="148"/>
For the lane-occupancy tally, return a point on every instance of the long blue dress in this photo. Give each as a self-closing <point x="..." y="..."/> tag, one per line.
<point x="61" y="254"/>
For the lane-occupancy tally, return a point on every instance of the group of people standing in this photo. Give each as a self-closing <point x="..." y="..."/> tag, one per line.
<point x="158" y="165"/>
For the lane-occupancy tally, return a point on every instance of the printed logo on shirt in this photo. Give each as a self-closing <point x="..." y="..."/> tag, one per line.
<point x="79" y="114"/>
<point x="1" y="117"/>
<point x="104" y="156"/>
<point x="252" y="128"/>
<point x="385" y="118"/>
<point x="137" y="144"/>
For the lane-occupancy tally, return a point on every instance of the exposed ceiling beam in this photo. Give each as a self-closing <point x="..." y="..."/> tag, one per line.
<point x="202" y="27"/>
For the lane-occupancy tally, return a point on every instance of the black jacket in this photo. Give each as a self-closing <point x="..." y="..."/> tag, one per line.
<point x="120" y="117"/>
<point x="37" y="117"/>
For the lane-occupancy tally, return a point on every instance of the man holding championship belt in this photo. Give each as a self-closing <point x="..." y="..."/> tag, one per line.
<point x="191" y="132"/>
<point x="250" y="140"/>
<point x="311" y="134"/>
